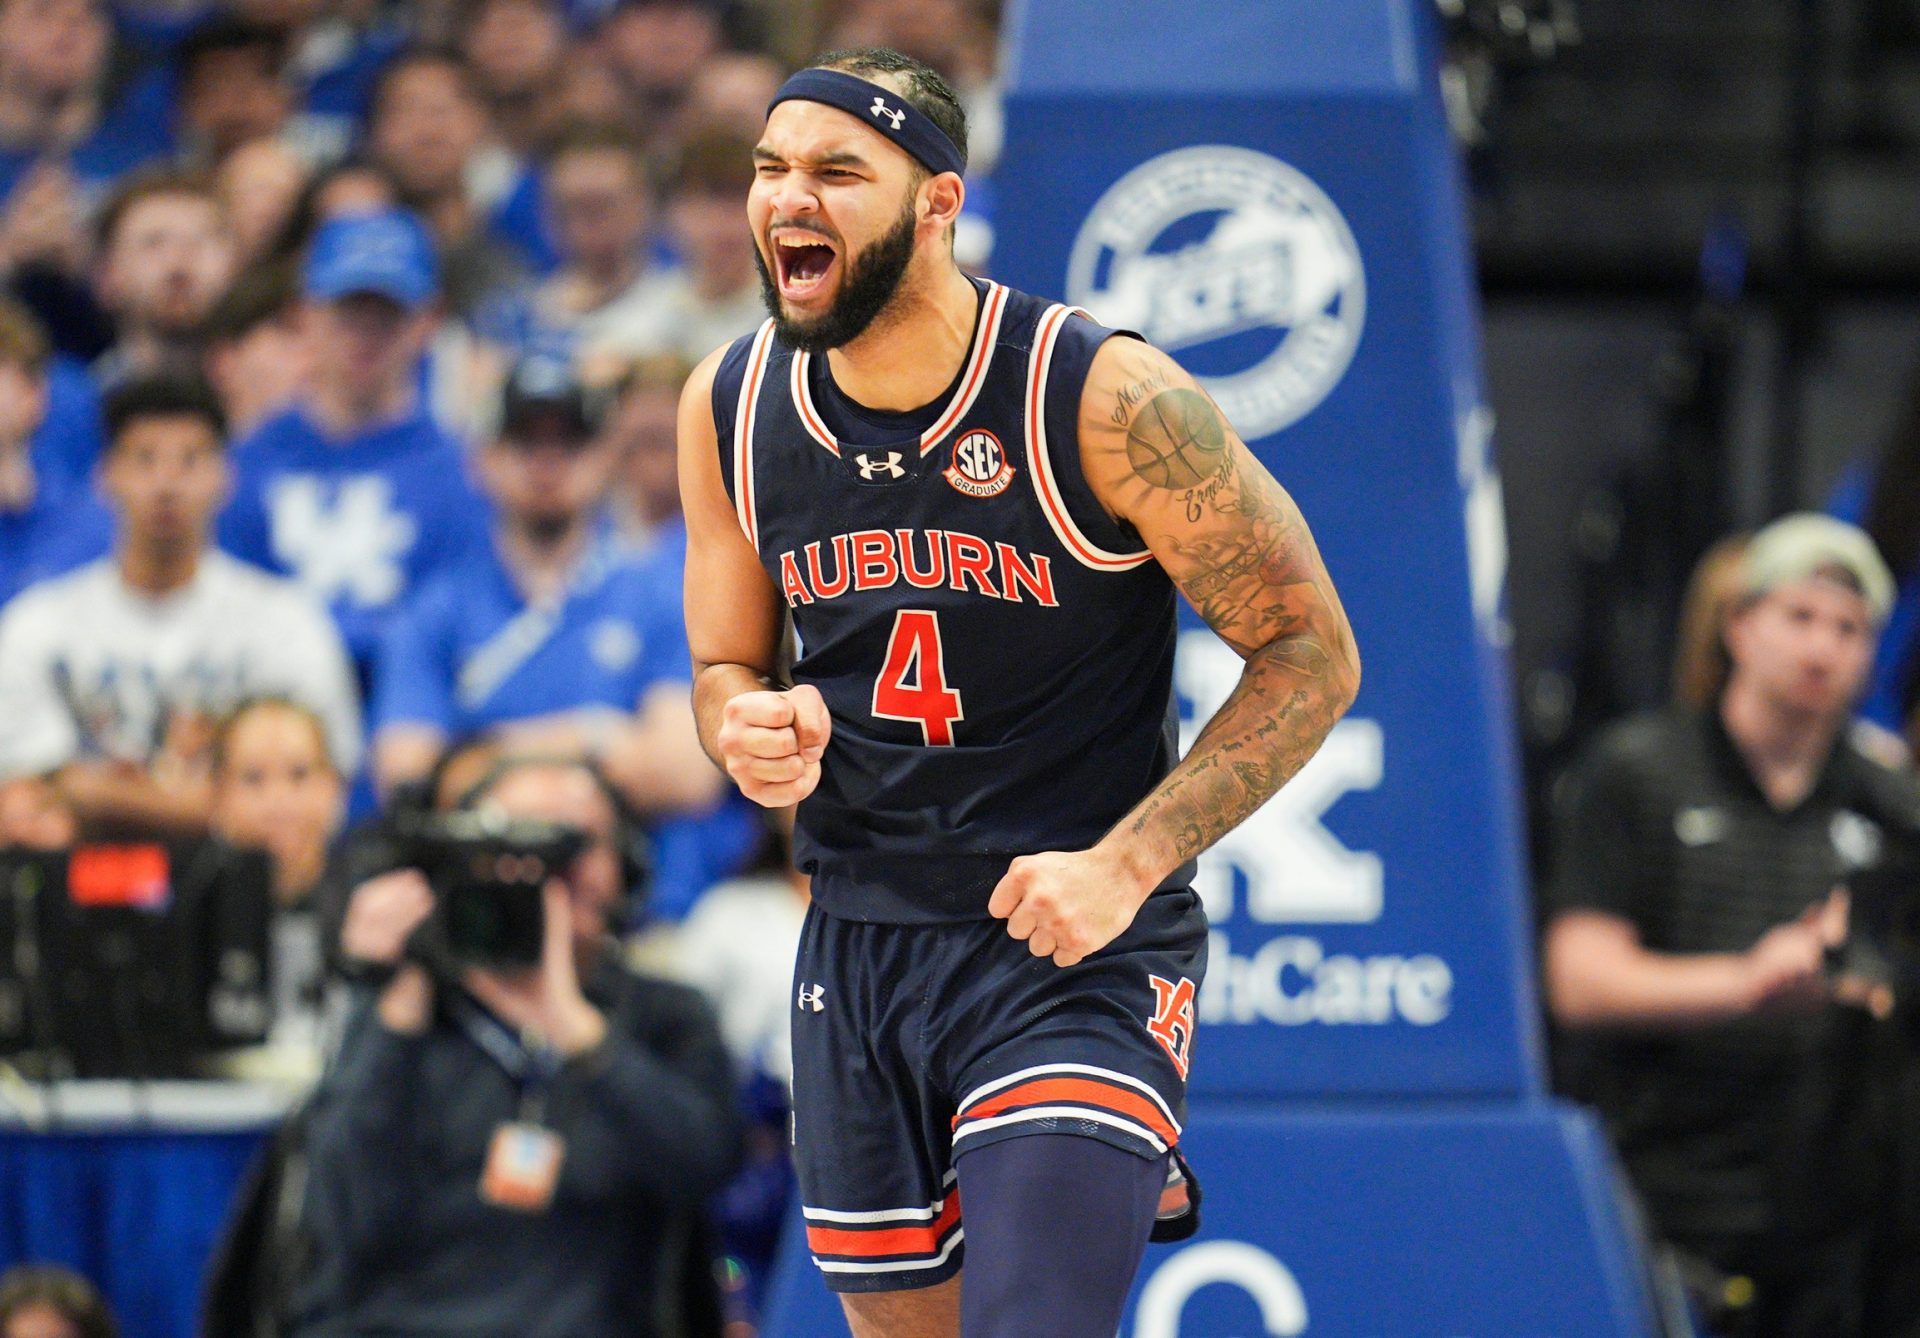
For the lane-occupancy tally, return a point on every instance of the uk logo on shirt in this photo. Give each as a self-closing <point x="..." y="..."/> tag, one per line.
<point x="346" y="541"/>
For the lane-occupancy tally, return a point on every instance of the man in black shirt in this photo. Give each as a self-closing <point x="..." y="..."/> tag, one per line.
<point x="1696" y="922"/>
<point x="523" y="1153"/>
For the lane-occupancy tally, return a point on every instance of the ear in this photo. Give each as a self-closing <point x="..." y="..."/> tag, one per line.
<point x="941" y="197"/>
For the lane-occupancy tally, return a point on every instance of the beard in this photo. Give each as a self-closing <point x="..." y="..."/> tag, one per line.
<point x="871" y="279"/>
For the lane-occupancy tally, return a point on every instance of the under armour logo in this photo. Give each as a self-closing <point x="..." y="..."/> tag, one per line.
<point x="882" y="110"/>
<point x="814" y="998"/>
<point x="870" y="466"/>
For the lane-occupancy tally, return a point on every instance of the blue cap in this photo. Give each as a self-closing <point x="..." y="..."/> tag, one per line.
<point x="385" y="252"/>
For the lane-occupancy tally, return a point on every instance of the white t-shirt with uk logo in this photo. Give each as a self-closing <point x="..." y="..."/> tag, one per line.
<point x="93" y="669"/>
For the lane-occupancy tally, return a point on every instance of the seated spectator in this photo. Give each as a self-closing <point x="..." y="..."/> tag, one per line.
<point x="551" y="636"/>
<point x="658" y="46"/>
<point x="517" y="51"/>
<point x="354" y="491"/>
<point x="514" y="1151"/>
<point x="258" y="356"/>
<point x="1696" y="947"/>
<point x="714" y="297"/>
<point x="233" y="87"/>
<point x="114" y="674"/>
<point x="605" y="298"/>
<point x="427" y="129"/>
<point x="276" y="788"/>
<point x="643" y="426"/>
<point x="47" y="1301"/>
<point x="47" y="525"/>
<point x="165" y="257"/>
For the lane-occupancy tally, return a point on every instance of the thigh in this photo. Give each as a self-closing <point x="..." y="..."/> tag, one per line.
<point x="876" y="1191"/>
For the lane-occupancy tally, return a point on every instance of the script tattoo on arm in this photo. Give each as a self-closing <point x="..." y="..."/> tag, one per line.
<point x="1161" y="457"/>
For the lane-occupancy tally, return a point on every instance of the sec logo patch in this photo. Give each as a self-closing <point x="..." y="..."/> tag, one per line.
<point x="980" y="467"/>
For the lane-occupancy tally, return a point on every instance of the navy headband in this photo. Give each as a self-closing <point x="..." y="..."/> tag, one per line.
<point x="881" y="108"/>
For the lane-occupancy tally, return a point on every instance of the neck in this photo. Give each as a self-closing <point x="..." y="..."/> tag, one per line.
<point x="158" y="568"/>
<point x="342" y="411"/>
<point x="1783" y="749"/>
<point x="543" y="560"/>
<point x="914" y="349"/>
<point x="596" y="285"/>
<point x="450" y="215"/>
<point x="146" y="351"/>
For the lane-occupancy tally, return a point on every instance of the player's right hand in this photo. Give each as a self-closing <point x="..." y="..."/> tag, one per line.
<point x="772" y="742"/>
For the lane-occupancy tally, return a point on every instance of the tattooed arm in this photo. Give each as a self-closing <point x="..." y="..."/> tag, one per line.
<point x="1159" y="456"/>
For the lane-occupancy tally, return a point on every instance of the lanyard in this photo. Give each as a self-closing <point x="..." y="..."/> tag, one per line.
<point x="529" y="1059"/>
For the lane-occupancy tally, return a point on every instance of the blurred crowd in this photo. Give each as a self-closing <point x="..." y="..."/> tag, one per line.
<point x="341" y="344"/>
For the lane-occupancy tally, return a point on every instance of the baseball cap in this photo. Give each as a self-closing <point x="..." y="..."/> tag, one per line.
<point x="1805" y="544"/>
<point x="386" y="252"/>
<point x="544" y="383"/>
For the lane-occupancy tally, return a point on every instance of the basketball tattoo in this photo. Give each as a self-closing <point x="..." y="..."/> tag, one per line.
<point x="1177" y="441"/>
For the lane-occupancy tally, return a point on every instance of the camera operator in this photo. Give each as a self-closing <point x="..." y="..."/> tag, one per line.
<point x="514" y="1151"/>
<point x="1715" y="1002"/>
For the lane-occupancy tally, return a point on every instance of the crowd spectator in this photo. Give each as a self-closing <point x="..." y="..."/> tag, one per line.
<point x="552" y="635"/>
<point x="621" y="1076"/>
<point x="354" y="491"/>
<point x="165" y="257"/>
<point x="643" y="426"/>
<point x="258" y="357"/>
<point x="114" y="675"/>
<point x="233" y="88"/>
<point x="714" y="296"/>
<point x="518" y="51"/>
<point x="428" y="131"/>
<point x="607" y="297"/>
<point x="47" y="1301"/>
<point x="48" y="524"/>
<point x="1697" y="951"/>
<point x="656" y="47"/>
<point x="336" y="50"/>
<point x="261" y="183"/>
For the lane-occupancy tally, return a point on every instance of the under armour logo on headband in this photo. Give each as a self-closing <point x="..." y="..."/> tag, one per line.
<point x="882" y="110"/>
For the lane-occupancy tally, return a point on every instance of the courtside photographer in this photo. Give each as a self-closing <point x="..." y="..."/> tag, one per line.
<point x="518" y="1132"/>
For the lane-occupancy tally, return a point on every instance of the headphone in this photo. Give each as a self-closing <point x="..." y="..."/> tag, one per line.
<point x="630" y="842"/>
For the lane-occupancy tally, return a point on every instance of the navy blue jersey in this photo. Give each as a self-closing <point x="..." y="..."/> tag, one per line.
<point x="995" y="650"/>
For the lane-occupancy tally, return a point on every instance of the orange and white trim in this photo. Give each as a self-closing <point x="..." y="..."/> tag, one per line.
<point x="744" y="414"/>
<point x="1045" y="486"/>
<point x="986" y="335"/>
<point x="892" y="1240"/>
<point x="1054" y="1092"/>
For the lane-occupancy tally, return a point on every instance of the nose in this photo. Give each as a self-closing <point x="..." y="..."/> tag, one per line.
<point x="794" y="197"/>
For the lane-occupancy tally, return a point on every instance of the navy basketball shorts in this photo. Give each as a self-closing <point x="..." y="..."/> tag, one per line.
<point x="914" y="1043"/>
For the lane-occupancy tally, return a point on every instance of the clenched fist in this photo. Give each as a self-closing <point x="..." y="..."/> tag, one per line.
<point x="772" y="742"/>
<point x="1066" y="906"/>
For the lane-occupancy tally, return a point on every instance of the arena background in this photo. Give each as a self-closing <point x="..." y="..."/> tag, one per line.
<point x="1527" y="301"/>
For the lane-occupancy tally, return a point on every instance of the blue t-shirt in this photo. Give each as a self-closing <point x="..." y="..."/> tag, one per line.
<point x="71" y="436"/>
<point x="65" y="527"/>
<point x="360" y="522"/>
<point x="469" y="652"/>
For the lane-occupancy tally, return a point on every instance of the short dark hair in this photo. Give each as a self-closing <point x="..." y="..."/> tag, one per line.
<point x="162" y="397"/>
<point x="602" y="137"/>
<point x="258" y="295"/>
<point x="150" y="184"/>
<point x="75" y="1299"/>
<point x="220" y="35"/>
<point x="925" y="89"/>
<point x="419" y="57"/>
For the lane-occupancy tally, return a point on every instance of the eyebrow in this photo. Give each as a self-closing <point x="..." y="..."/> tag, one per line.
<point x="836" y="158"/>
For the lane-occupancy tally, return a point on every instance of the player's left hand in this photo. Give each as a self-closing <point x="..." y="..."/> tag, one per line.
<point x="1066" y="906"/>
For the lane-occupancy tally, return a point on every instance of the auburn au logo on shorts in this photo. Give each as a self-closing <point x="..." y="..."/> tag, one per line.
<point x="980" y="467"/>
<point x="1172" y="1020"/>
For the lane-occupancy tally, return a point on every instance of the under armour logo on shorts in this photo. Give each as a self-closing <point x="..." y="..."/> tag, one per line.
<point x="881" y="110"/>
<point x="812" y="998"/>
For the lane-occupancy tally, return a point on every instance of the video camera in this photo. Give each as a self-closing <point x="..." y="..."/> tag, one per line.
<point x="487" y="872"/>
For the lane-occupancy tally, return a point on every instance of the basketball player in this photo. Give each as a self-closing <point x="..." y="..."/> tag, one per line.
<point x="976" y="506"/>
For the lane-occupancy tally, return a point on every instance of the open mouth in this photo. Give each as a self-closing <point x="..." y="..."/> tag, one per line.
<point x="804" y="261"/>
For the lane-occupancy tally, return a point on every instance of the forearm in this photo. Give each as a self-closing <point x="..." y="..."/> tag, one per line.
<point x="714" y="685"/>
<point x="1290" y="695"/>
<point x="100" y="793"/>
<point x="1652" y="990"/>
